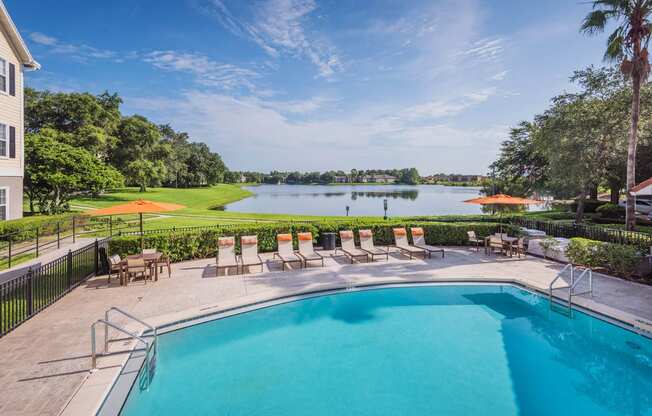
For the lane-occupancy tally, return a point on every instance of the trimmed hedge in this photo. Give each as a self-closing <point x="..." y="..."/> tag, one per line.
<point x="25" y="228"/>
<point x="611" y="211"/>
<point x="203" y="243"/>
<point x="616" y="258"/>
<point x="590" y="205"/>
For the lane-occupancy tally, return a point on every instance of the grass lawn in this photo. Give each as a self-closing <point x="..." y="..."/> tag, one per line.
<point x="202" y="206"/>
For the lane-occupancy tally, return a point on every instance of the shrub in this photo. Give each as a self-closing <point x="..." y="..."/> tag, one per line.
<point x="203" y="243"/>
<point x="590" y="205"/>
<point x="616" y="258"/>
<point x="612" y="211"/>
<point x="25" y="228"/>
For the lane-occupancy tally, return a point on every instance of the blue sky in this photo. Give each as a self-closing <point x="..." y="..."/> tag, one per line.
<point x="319" y="84"/>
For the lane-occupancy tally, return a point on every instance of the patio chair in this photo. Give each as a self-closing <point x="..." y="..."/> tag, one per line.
<point x="115" y="266"/>
<point x="226" y="258"/>
<point x="137" y="267"/>
<point x="474" y="240"/>
<point x="306" y="249"/>
<point x="367" y="244"/>
<point x="401" y="243"/>
<point x="249" y="256"/>
<point x="494" y="242"/>
<point x="286" y="251"/>
<point x="419" y="240"/>
<point x="349" y="249"/>
<point x="521" y="247"/>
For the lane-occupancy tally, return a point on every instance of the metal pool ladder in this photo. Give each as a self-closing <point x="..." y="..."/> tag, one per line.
<point x="150" y="347"/>
<point x="573" y="283"/>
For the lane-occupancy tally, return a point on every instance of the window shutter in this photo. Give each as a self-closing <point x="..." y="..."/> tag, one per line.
<point x="12" y="142"/>
<point x="12" y="79"/>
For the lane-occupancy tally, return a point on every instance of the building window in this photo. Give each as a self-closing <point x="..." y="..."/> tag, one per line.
<point x="3" y="75"/>
<point x="3" y="203"/>
<point x="4" y="140"/>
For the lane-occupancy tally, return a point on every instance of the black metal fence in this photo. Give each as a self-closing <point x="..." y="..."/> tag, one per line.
<point x="593" y="232"/>
<point x="26" y="295"/>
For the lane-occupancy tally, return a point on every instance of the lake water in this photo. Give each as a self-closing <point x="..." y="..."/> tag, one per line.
<point x="403" y="200"/>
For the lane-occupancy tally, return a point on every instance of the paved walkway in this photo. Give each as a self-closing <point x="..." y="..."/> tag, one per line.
<point x="45" y="362"/>
<point x="47" y="254"/>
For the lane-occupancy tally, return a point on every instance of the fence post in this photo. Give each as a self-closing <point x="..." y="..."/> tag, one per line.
<point x="58" y="234"/>
<point x="30" y="293"/>
<point x="73" y="229"/>
<point x="37" y="242"/>
<point x="69" y="268"/>
<point x="9" y="267"/>
<point x="97" y="256"/>
<point x="110" y="226"/>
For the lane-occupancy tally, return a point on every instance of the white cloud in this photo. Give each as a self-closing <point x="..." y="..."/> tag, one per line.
<point x="487" y="49"/>
<point x="254" y="134"/>
<point x="79" y="52"/>
<point x="206" y="71"/>
<point x="447" y="107"/>
<point x="499" y="76"/>
<point x="278" y="27"/>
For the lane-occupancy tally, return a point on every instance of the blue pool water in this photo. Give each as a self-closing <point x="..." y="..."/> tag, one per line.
<point x="425" y="350"/>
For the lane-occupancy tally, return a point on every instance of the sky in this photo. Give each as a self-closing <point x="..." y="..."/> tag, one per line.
<point x="319" y="84"/>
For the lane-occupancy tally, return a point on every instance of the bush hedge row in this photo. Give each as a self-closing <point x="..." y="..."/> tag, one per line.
<point x="25" y="228"/>
<point x="203" y="243"/>
<point x="616" y="258"/>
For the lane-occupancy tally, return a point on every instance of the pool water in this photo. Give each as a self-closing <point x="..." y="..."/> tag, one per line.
<point x="421" y="350"/>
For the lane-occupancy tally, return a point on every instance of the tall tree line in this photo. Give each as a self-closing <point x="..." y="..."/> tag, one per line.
<point x="580" y="143"/>
<point x="81" y="143"/>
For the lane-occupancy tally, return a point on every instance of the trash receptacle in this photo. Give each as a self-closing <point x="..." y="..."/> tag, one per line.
<point x="328" y="241"/>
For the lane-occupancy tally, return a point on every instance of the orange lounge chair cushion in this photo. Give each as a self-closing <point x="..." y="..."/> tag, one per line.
<point x="225" y="241"/>
<point x="304" y="236"/>
<point x="249" y="240"/>
<point x="400" y="231"/>
<point x="346" y="234"/>
<point x="365" y="233"/>
<point x="418" y="231"/>
<point x="284" y="237"/>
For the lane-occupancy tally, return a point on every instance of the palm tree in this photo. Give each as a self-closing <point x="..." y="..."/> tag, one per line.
<point x="627" y="45"/>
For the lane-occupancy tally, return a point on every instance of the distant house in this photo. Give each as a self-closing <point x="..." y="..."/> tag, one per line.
<point x="15" y="58"/>
<point x="381" y="179"/>
<point x="243" y="179"/>
<point x="341" y="179"/>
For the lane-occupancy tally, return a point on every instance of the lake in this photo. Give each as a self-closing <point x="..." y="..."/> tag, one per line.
<point x="363" y="200"/>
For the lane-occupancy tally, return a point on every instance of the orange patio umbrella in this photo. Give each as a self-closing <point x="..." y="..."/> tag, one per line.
<point x="136" y="207"/>
<point x="502" y="199"/>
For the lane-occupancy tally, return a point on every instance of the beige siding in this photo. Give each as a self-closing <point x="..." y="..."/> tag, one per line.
<point x="11" y="110"/>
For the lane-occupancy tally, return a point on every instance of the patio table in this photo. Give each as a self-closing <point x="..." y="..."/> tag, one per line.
<point x="151" y="259"/>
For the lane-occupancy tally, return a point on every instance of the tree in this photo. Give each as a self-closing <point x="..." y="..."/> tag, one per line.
<point x="628" y="45"/>
<point x="408" y="176"/>
<point x="56" y="171"/>
<point x="140" y="154"/>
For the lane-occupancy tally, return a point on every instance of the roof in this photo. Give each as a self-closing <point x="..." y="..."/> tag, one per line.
<point x="14" y="38"/>
<point x="643" y="188"/>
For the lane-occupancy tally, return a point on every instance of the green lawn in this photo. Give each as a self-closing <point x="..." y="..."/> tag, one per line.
<point x="202" y="207"/>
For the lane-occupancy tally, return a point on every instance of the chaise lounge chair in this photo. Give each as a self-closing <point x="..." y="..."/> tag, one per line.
<point x="249" y="256"/>
<point x="367" y="244"/>
<point x="418" y="238"/>
<point x="349" y="248"/>
<point x="226" y="258"/>
<point x="306" y="249"/>
<point x="401" y="243"/>
<point x="285" y="251"/>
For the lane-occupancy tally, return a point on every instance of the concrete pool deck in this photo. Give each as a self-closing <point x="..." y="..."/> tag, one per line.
<point x="45" y="363"/>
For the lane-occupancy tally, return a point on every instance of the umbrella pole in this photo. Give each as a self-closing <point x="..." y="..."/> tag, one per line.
<point x="142" y="237"/>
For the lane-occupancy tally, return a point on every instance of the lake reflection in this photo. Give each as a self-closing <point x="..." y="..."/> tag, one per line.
<point x="403" y="200"/>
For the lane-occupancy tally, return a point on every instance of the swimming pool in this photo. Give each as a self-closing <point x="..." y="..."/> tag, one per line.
<point x="436" y="350"/>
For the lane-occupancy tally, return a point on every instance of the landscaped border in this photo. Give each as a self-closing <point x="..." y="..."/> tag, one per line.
<point x="117" y="396"/>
